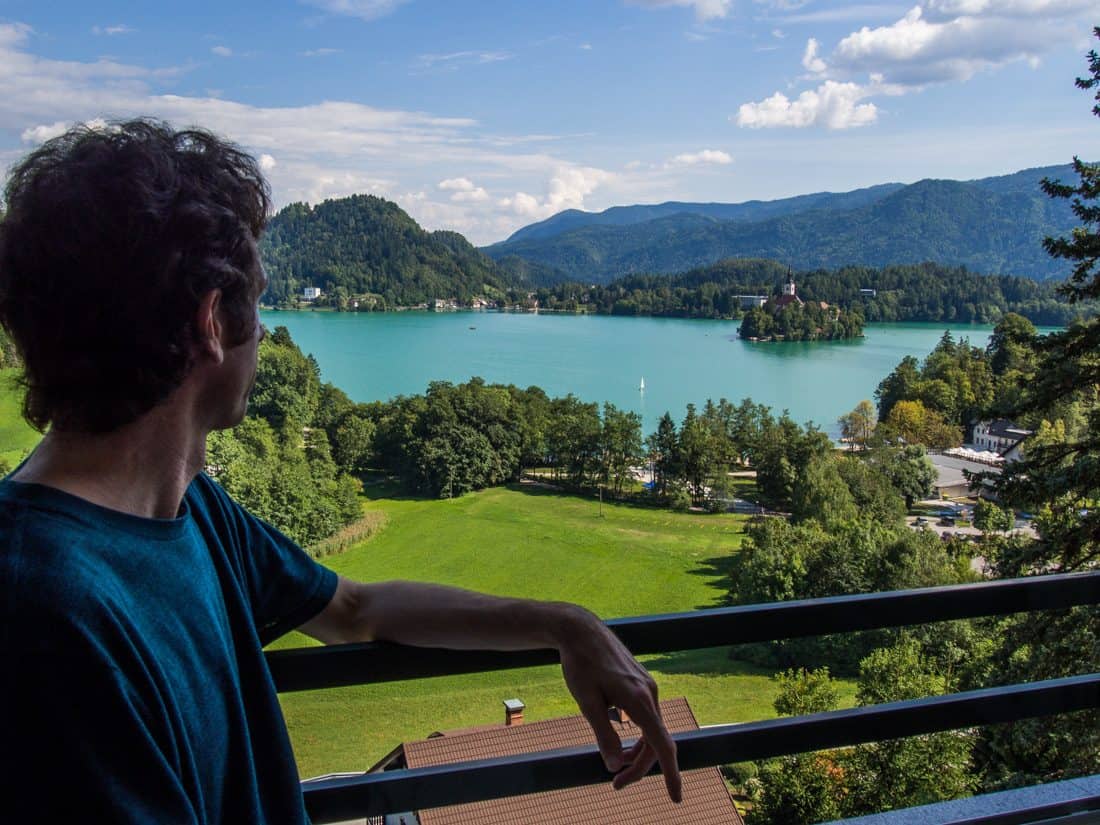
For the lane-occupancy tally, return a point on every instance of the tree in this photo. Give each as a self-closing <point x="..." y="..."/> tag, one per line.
<point x="802" y="692"/>
<point x="989" y="518"/>
<point x="914" y="423"/>
<point x="622" y="445"/>
<point x="802" y="788"/>
<point x="1011" y="346"/>
<point x="917" y="770"/>
<point x="664" y="449"/>
<point x="822" y="494"/>
<point x="899" y="385"/>
<point x="857" y="426"/>
<point x="876" y="497"/>
<point x="696" y="454"/>
<point x="909" y="470"/>
<point x="288" y="383"/>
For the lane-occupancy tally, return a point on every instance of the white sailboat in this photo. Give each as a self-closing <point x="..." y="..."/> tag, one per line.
<point x="641" y="386"/>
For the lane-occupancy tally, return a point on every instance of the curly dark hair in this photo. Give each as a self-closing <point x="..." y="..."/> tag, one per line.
<point x="112" y="236"/>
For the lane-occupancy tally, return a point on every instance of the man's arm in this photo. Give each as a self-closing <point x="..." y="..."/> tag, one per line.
<point x="599" y="671"/>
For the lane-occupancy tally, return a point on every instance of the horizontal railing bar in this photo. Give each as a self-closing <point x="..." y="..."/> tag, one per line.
<point x="338" y="665"/>
<point x="332" y="800"/>
<point x="1070" y="812"/>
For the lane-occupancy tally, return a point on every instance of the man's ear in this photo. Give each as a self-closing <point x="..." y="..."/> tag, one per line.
<point x="209" y="326"/>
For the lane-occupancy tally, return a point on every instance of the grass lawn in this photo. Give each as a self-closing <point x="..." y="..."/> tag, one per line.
<point x="16" y="436"/>
<point x="529" y="541"/>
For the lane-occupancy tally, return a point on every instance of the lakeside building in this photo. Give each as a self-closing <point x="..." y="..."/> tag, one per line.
<point x="751" y="301"/>
<point x="706" y="797"/>
<point x="1000" y="436"/>
<point x="311" y="293"/>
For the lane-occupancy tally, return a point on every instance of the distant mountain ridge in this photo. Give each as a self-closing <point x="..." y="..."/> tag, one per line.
<point x="990" y="225"/>
<point x="747" y="211"/>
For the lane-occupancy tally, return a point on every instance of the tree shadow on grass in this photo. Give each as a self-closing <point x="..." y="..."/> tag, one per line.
<point x="712" y="661"/>
<point x="718" y="570"/>
<point x="377" y="487"/>
<point x="538" y="488"/>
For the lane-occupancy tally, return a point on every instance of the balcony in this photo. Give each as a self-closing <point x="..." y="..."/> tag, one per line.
<point x="374" y="795"/>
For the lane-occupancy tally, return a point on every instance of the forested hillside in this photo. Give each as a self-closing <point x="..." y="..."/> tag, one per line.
<point x="995" y="225"/>
<point x="922" y="292"/>
<point x="368" y="246"/>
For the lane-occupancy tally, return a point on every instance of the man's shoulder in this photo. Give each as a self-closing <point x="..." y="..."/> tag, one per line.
<point x="54" y="564"/>
<point x="205" y="496"/>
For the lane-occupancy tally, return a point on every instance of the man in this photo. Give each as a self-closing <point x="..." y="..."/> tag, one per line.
<point x="135" y="595"/>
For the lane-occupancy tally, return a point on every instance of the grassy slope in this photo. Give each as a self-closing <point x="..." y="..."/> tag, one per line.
<point x="530" y="542"/>
<point x="16" y="436"/>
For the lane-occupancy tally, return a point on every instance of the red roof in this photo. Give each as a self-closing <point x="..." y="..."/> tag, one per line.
<point x="786" y="300"/>
<point x="705" y="798"/>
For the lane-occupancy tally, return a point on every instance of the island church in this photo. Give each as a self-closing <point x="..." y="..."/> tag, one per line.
<point x="788" y="297"/>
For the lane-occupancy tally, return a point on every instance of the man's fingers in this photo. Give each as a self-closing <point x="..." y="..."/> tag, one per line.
<point x="611" y="746"/>
<point x="660" y="741"/>
<point x="641" y="765"/>
<point x="631" y="753"/>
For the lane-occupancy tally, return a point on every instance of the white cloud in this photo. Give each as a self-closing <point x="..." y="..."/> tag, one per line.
<point x="322" y="52"/>
<point x="222" y="51"/>
<point x="457" y="184"/>
<point x="567" y="189"/>
<point x="704" y="9"/>
<point x="917" y="50"/>
<point x="810" y="61"/>
<point x="586" y="47"/>
<point x="1008" y="8"/>
<point x="363" y="9"/>
<point x="463" y="190"/>
<point x="267" y="162"/>
<point x="842" y="14"/>
<point x="832" y="105"/>
<point x="705" y="156"/>
<point x="43" y="132"/>
<point x="119" y="28"/>
<point x="938" y="42"/>
<point x="452" y="60"/>
<point x="778" y="34"/>
<point x="40" y="134"/>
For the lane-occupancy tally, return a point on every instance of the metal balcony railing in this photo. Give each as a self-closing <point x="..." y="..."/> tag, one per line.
<point x="407" y="790"/>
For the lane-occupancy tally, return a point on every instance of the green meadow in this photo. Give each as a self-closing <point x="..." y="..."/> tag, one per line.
<point x="17" y="437"/>
<point x="525" y="540"/>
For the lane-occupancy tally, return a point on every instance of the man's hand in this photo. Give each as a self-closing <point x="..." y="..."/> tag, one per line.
<point x="600" y="673"/>
<point x="599" y="670"/>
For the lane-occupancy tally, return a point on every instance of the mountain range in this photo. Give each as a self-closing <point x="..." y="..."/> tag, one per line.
<point x="992" y="225"/>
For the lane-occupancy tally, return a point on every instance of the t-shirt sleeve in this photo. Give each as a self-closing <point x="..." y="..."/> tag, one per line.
<point x="284" y="586"/>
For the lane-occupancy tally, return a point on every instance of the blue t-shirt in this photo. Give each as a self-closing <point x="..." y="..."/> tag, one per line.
<point x="133" y="686"/>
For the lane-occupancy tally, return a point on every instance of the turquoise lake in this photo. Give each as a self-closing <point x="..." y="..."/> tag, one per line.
<point x="373" y="356"/>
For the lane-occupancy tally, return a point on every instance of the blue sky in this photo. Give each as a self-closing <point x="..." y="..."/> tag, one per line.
<point x="484" y="116"/>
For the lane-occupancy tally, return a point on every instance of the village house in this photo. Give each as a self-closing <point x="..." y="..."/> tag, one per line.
<point x="706" y="798"/>
<point x="311" y="293"/>
<point x="1000" y="436"/>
